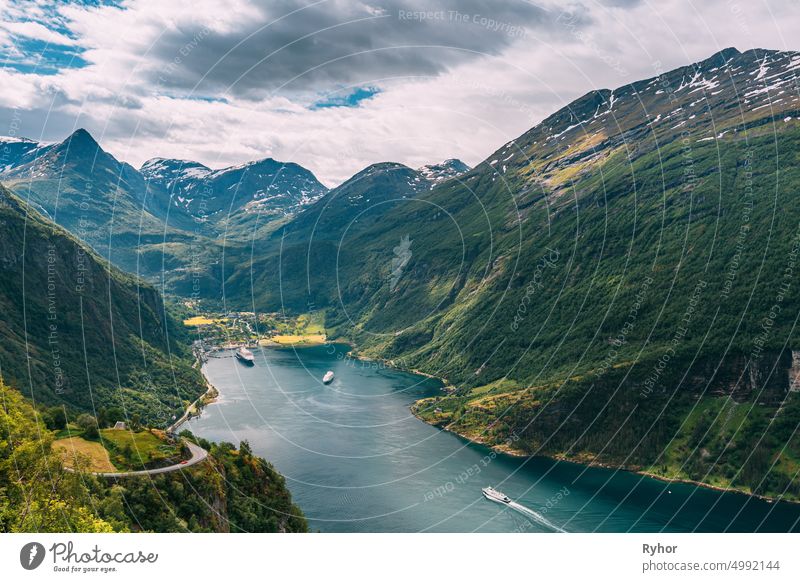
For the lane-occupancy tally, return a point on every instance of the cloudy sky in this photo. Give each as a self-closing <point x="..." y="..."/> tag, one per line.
<point x="338" y="84"/>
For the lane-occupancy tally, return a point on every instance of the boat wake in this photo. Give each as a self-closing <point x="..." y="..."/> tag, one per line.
<point x="497" y="497"/>
<point x="534" y="516"/>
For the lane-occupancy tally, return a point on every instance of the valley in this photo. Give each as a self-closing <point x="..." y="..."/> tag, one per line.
<point x="615" y="287"/>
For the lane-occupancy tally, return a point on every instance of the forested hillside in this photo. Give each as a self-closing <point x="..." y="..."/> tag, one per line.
<point x="81" y="333"/>
<point x="617" y="284"/>
<point x="232" y="491"/>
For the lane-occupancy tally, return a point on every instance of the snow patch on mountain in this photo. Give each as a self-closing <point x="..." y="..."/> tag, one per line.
<point x="437" y="173"/>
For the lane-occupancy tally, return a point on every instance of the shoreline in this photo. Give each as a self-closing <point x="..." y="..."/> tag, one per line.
<point x="196" y="408"/>
<point x="392" y="364"/>
<point x="500" y="450"/>
<point x="716" y="488"/>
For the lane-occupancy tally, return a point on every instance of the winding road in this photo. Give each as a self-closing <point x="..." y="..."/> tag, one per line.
<point x="199" y="454"/>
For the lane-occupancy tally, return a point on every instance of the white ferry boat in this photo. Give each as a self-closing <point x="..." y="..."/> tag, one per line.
<point x="246" y="356"/>
<point x="494" y="495"/>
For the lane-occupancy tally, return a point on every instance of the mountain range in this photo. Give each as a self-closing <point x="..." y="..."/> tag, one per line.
<point x="171" y="221"/>
<point x="616" y="285"/>
<point x="265" y="189"/>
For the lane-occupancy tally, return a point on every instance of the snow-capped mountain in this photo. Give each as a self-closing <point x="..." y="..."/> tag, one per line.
<point x="371" y="193"/>
<point x="103" y="201"/>
<point x="79" y="153"/>
<point x="714" y="99"/>
<point x="148" y="221"/>
<point x="382" y="180"/>
<point x="15" y="151"/>
<point x="264" y="187"/>
<point x="169" y="172"/>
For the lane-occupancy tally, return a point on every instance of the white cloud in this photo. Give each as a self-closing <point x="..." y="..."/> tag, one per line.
<point x="465" y="109"/>
<point x="37" y="31"/>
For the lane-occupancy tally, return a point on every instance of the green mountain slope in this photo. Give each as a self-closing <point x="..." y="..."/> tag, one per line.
<point x="79" y="333"/>
<point x="618" y="284"/>
<point x="231" y="491"/>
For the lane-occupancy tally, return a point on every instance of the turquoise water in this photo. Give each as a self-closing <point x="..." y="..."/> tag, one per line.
<point x="356" y="460"/>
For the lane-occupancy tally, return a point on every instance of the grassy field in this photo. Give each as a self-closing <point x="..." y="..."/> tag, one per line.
<point x="200" y="320"/>
<point x="118" y="450"/>
<point x="135" y="451"/>
<point x="312" y="323"/>
<point x="307" y="329"/>
<point x="74" y="449"/>
<point x="295" y="340"/>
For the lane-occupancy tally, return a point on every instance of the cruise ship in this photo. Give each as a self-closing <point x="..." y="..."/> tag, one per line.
<point x="493" y="495"/>
<point x="245" y="356"/>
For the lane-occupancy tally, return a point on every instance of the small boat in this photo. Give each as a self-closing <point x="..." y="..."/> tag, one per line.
<point x="328" y="377"/>
<point x="246" y="356"/>
<point x="494" y="495"/>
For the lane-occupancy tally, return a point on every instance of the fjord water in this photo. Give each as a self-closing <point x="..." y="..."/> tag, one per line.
<point x="356" y="460"/>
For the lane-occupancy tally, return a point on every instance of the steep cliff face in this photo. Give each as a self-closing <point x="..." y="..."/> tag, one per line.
<point x="761" y="381"/>
<point x="794" y="372"/>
